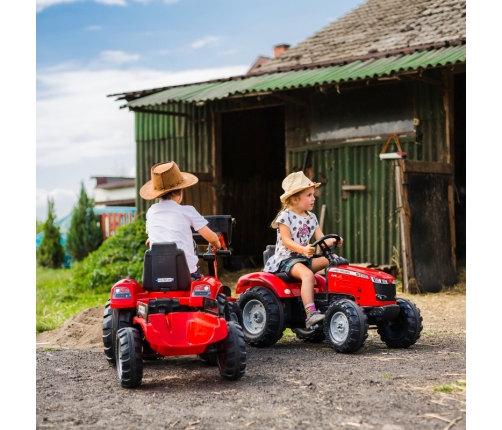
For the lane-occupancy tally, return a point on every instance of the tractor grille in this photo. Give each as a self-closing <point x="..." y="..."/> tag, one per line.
<point x="385" y="292"/>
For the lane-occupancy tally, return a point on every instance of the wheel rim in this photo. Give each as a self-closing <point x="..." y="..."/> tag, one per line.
<point x="339" y="327"/>
<point x="254" y="316"/>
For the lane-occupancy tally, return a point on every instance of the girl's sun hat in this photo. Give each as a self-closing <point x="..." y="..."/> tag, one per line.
<point x="294" y="183"/>
<point x="166" y="177"/>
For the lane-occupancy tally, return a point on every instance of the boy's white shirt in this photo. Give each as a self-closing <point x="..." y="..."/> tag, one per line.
<point x="167" y="221"/>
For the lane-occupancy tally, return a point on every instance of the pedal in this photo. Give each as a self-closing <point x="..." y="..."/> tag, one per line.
<point x="317" y="326"/>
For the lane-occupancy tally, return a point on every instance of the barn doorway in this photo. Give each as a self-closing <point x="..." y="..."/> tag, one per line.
<point x="253" y="167"/>
<point x="459" y="159"/>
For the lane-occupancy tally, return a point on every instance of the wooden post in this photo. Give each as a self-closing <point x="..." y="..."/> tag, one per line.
<point x="404" y="228"/>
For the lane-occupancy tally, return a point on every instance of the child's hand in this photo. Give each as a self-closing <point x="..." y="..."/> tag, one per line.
<point x="215" y="248"/>
<point x="309" y="251"/>
<point x="147" y="243"/>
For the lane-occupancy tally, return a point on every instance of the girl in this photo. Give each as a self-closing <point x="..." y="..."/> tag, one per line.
<point x="295" y="226"/>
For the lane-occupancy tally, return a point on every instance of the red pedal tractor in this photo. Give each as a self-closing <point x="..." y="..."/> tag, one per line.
<point x="171" y="315"/>
<point x="353" y="299"/>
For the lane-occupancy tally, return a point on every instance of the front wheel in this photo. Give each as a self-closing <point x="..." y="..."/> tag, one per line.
<point x="310" y="336"/>
<point x="345" y="326"/>
<point x="232" y="359"/>
<point x="262" y="317"/>
<point x="113" y="320"/>
<point x="128" y="357"/>
<point x="405" y="330"/>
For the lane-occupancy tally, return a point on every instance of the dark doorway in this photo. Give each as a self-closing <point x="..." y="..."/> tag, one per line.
<point x="459" y="159"/>
<point x="253" y="167"/>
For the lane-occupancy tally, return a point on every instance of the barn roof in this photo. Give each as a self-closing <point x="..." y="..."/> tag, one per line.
<point x="378" y="26"/>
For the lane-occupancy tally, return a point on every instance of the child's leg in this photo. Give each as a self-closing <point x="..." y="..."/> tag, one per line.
<point x="319" y="264"/>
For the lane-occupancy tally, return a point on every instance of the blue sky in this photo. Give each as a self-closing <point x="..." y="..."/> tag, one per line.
<point x="88" y="49"/>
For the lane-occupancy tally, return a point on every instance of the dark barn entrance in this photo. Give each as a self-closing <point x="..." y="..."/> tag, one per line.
<point x="253" y="167"/>
<point x="459" y="160"/>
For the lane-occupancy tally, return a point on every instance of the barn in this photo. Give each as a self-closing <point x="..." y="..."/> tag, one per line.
<point x="372" y="106"/>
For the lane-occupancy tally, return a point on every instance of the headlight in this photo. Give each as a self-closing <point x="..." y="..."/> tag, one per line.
<point x="142" y="310"/>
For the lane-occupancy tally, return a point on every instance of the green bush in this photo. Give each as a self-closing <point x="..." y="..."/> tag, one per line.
<point x="50" y="253"/>
<point x="84" y="235"/>
<point x="120" y="256"/>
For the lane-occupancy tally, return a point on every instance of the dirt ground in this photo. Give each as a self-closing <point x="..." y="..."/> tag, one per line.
<point x="290" y="385"/>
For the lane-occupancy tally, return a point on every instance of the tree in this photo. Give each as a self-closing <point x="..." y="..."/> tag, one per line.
<point x="84" y="234"/>
<point x="50" y="253"/>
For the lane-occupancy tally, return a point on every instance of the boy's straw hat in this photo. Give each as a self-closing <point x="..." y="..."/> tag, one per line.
<point x="294" y="183"/>
<point x="166" y="177"/>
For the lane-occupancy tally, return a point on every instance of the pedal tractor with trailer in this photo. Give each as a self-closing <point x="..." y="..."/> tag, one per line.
<point x="352" y="298"/>
<point x="171" y="315"/>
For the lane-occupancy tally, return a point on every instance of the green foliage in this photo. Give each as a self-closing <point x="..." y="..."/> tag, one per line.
<point x="50" y="253"/>
<point x="84" y="235"/>
<point x="55" y="300"/>
<point x="120" y="256"/>
<point x="40" y="226"/>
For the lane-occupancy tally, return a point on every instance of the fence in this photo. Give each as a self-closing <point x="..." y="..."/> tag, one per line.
<point x="111" y="221"/>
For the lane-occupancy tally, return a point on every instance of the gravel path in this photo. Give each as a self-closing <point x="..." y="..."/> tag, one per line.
<point x="291" y="385"/>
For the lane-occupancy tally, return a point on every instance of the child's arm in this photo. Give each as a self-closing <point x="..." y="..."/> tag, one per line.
<point x="289" y="243"/>
<point x="330" y="242"/>
<point x="211" y="237"/>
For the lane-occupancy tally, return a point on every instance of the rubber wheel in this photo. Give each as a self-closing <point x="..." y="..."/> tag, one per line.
<point x="128" y="357"/>
<point x="310" y="336"/>
<point x="232" y="360"/>
<point x="113" y="320"/>
<point x="235" y="313"/>
<point x="405" y="330"/>
<point x="262" y="317"/>
<point x="209" y="358"/>
<point x="345" y="326"/>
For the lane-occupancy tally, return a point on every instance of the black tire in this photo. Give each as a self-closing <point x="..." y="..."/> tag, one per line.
<point x="232" y="359"/>
<point x="235" y="313"/>
<point x="209" y="358"/>
<point x="405" y="330"/>
<point x="345" y="326"/>
<point x="310" y="336"/>
<point x="114" y="320"/>
<point x="128" y="357"/>
<point x="262" y="317"/>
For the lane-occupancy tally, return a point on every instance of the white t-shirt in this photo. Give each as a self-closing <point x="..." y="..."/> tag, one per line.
<point x="167" y="221"/>
<point x="302" y="229"/>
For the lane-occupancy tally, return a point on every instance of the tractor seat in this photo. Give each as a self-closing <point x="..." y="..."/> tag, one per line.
<point x="269" y="251"/>
<point x="165" y="269"/>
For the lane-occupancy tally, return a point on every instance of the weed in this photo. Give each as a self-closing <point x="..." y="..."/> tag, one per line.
<point x="386" y="375"/>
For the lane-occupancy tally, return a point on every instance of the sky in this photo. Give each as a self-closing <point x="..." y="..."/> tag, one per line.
<point x="89" y="49"/>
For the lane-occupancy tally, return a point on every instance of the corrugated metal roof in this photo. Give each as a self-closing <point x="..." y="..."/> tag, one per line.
<point x="357" y="70"/>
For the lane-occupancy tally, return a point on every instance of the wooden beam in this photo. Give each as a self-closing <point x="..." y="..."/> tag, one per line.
<point x="290" y="99"/>
<point x="158" y="112"/>
<point x="414" y="166"/>
<point x="425" y="79"/>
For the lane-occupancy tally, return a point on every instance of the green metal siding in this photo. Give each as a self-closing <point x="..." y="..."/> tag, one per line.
<point x="367" y="220"/>
<point x="357" y="70"/>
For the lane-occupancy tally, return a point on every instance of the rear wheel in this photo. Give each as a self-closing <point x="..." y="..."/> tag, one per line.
<point x="262" y="317"/>
<point x="128" y="357"/>
<point x="345" y="326"/>
<point x="209" y="358"/>
<point x="405" y="330"/>
<point x="114" y="320"/>
<point x="311" y="336"/>
<point x="232" y="358"/>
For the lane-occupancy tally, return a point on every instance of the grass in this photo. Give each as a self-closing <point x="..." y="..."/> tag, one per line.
<point x="458" y="386"/>
<point x="55" y="303"/>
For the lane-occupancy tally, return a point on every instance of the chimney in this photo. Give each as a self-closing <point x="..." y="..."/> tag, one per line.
<point x="279" y="49"/>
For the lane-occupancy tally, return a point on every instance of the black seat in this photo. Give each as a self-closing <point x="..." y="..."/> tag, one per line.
<point x="165" y="268"/>
<point x="269" y="251"/>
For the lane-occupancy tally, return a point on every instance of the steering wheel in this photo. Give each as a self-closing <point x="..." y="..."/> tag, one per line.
<point x="326" y="251"/>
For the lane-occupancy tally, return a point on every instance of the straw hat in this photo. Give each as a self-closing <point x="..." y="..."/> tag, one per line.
<point x="294" y="183"/>
<point x="166" y="177"/>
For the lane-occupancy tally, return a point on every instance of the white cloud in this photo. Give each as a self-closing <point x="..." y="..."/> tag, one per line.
<point x="171" y="1"/>
<point x="77" y="125"/>
<point x="208" y="40"/>
<point x="117" y="57"/>
<point x="93" y="28"/>
<point x="64" y="201"/>
<point x="112" y="2"/>
<point x="43" y="4"/>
